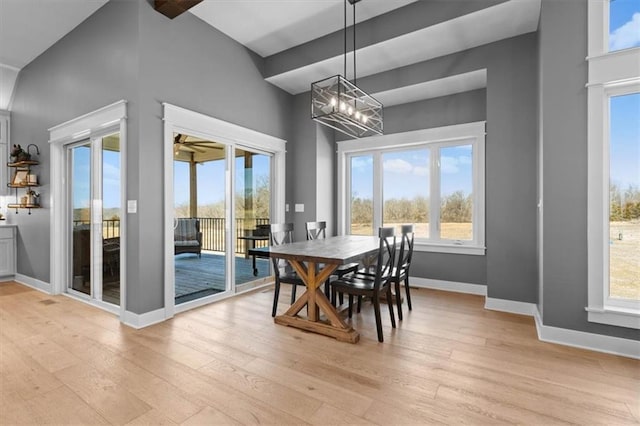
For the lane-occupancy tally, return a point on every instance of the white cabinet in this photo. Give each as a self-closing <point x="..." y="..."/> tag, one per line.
<point x="7" y="251"/>
<point x="4" y="152"/>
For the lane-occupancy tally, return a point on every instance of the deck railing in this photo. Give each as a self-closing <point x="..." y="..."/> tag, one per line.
<point x="212" y="228"/>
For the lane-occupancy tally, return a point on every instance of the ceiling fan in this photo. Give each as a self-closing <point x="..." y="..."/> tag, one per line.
<point x="181" y="143"/>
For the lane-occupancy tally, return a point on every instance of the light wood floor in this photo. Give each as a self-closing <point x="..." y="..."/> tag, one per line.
<point x="449" y="361"/>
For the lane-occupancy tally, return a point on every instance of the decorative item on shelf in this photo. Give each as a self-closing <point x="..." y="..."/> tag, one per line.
<point x="20" y="178"/>
<point x="33" y="198"/>
<point x="19" y="155"/>
<point x="32" y="179"/>
<point x="340" y="104"/>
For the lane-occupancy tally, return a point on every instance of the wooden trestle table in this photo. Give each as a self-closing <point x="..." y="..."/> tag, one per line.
<point x="314" y="261"/>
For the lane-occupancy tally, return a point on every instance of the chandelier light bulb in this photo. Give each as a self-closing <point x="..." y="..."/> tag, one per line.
<point x="364" y="118"/>
<point x="350" y="111"/>
<point x="343" y="106"/>
<point x="357" y="115"/>
<point x="333" y="102"/>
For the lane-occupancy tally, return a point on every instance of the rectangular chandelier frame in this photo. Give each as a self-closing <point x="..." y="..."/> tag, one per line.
<point x="343" y="106"/>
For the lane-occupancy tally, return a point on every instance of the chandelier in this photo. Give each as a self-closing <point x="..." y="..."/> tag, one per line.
<point x="340" y="104"/>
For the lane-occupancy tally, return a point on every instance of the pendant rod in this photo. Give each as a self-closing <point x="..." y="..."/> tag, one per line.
<point x="345" y="38"/>
<point x="354" y="43"/>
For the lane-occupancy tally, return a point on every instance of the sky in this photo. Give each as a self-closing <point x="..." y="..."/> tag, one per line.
<point x="211" y="179"/>
<point x="81" y="178"/>
<point x="406" y="173"/>
<point x="624" y="32"/>
<point x="624" y="157"/>
<point x="624" y="24"/>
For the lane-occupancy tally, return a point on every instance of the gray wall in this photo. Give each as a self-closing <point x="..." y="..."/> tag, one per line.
<point x="509" y="268"/>
<point x="563" y="48"/>
<point x="95" y="65"/>
<point x="128" y="51"/>
<point x="188" y="63"/>
<point x="301" y="166"/>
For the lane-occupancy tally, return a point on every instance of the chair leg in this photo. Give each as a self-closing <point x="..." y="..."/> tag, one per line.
<point x="326" y="289"/>
<point x="398" y="300"/>
<point x="293" y="293"/>
<point x="333" y="296"/>
<point x="376" y="310"/>
<point x="406" y="288"/>
<point x="341" y="296"/>
<point x="359" y="303"/>
<point x="350" y="305"/>
<point x="276" y="294"/>
<point x="390" y="303"/>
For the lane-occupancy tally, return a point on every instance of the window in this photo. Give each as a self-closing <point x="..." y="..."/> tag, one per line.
<point x="433" y="178"/>
<point x="624" y="24"/>
<point x="614" y="163"/>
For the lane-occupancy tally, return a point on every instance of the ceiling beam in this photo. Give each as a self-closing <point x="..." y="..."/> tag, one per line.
<point x="173" y="8"/>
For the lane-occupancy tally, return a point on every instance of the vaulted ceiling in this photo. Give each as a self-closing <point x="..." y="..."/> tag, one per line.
<point x="302" y="40"/>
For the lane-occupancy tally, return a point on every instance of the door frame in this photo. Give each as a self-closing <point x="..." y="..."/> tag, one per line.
<point x="181" y="120"/>
<point x="109" y="119"/>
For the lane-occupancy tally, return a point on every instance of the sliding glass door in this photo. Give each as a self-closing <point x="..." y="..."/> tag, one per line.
<point x="212" y="230"/>
<point x="94" y="194"/>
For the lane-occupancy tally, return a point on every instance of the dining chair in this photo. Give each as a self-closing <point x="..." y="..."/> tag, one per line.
<point x="372" y="286"/>
<point x="401" y="270"/>
<point x="282" y="233"/>
<point x="318" y="230"/>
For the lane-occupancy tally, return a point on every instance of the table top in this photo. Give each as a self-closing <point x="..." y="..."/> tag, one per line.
<point x="254" y="237"/>
<point x="337" y="250"/>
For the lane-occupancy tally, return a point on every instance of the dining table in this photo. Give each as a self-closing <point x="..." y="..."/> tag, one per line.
<point x="314" y="261"/>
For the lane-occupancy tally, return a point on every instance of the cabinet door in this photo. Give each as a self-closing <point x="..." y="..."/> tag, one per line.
<point x="7" y="253"/>
<point x="4" y="153"/>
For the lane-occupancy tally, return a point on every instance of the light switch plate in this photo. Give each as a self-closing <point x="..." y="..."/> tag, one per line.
<point x="132" y="206"/>
<point x="299" y="208"/>
<point x="286" y="207"/>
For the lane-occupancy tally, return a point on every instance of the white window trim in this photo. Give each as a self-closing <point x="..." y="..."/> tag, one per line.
<point x="111" y="118"/>
<point x="610" y="74"/>
<point x="182" y="120"/>
<point x="473" y="132"/>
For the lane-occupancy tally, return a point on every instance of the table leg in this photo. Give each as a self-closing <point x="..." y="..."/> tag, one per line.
<point x="255" y="269"/>
<point x="317" y="302"/>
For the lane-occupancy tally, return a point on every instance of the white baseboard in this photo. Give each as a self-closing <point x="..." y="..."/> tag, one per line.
<point x="138" y="321"/>
<point x="584" y="340"/>
<point x="511" y="306"/>
<point x="453" y="286"/>
<point x="42" y="286"/>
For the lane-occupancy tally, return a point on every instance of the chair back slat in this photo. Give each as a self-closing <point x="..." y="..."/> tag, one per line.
<point x="316" y="230"/>
<point x="280" y="233"/>
<point x="406" y="251"/>
<point x="386" y="257"/>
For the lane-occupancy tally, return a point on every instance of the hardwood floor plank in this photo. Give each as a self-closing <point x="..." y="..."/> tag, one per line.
<point x="151" y="418"/>
<point x="62" y="406"/>
<point x="210" y="416"/>
<point x="113" y="402"/>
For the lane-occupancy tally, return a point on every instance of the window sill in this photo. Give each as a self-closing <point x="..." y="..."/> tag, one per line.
<point x="450" y="248"/>
<point x="614" y="316"/>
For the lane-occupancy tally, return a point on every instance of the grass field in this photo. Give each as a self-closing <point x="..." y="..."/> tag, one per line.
<point x="624" y="251"/>
<point x="624" y="259"/>
<point x="452" y="231"/>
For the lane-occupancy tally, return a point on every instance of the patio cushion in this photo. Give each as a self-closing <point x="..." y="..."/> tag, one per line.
<point x="194" y="243"/>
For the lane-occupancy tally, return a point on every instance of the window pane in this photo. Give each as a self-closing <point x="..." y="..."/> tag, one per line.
<point x="405" y="181"/>
<point x="456" y="193"/>
<point x="361" y="195"/>
<point x="624" y="24"/>
<point x="624" y="192"/>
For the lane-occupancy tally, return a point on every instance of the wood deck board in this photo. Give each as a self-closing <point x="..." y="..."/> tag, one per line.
<point x="228" y="363"/>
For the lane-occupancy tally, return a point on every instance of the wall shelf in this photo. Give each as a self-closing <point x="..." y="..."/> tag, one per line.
<point x="22" y="171"/>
